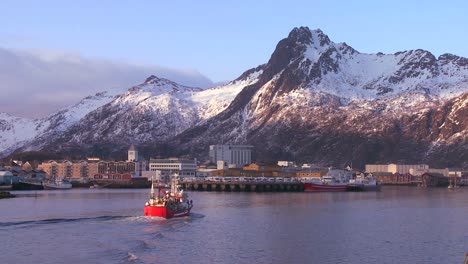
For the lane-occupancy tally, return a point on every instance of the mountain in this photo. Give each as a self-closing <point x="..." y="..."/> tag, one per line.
<point x="14" y="130"/>
<point x="156" y="109"/>
<point x="319" y="101"/>
<point x="313" y="101"/>
<point x="25" y="134"/>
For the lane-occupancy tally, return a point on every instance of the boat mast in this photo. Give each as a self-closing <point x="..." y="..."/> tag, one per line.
<point x="152" y="187"/>
<point x="174" y="182"/>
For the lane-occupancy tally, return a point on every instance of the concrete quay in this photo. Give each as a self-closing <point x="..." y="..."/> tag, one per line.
<point x="243" y="186"/>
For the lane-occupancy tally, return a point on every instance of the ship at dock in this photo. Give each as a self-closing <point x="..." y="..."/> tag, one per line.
<point x="333" y="181"/>
<point x="57" y="184"/>
<point x="27" y="184"/>
<point x="116" y="180"/>
<point x="168" y="203"/>
<point x="363" y="182"/>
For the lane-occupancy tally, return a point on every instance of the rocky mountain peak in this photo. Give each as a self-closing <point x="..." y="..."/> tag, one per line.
<point x="450" y="58"/>
<point x="152" y="80"/>
<point x="300" y="35"/>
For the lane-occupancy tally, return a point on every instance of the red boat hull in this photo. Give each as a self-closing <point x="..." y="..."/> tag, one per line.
<point x="314" y="187"/>
<point x="165" y="212"/>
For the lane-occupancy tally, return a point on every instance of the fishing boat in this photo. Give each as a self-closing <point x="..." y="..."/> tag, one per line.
<point x="168" y="203"/>
<point x="325" y="185"/>
<point x="363" y="183"/>
<point x="57" y="184"/>
<point x="333" y="181"/>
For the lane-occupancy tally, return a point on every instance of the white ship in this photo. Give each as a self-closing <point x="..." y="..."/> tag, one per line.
<point x="57" y="184"/>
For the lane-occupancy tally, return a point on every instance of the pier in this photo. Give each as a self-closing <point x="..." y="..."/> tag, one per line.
<point x="241" y="186"/>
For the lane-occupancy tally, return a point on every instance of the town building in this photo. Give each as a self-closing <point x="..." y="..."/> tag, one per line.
<point x="27" y="166"/>
<point x="236" y="155"/>
<point x="87" y="169"/>
<point x="205" y="172"/>
<point x="285" y="163"/>
<point x="6" y="177"/>
<point x="397" y="168"/>
<point x="184" y="168"/>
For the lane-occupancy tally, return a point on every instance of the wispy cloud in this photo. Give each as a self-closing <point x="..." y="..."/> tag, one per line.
<point x="35" y="83"/>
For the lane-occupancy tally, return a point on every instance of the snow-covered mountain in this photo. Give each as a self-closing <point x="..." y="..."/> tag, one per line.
<point x="319" y="101"/>
<point x="18" y="132"/>
<point x="314" y="100"/>
<point x="14" y="130"/>
<point x="157" y="108"/>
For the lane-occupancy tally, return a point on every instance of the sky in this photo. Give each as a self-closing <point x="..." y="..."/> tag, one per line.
<point x="81" y="47"/>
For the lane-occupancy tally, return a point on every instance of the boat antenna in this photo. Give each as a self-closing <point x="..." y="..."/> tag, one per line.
<point x="152" y="187"/>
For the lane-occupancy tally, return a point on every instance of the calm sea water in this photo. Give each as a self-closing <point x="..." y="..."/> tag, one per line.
<point x="396" y="225"/>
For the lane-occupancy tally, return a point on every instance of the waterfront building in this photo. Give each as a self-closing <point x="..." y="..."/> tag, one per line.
<point x="444" y="172"/>
<point x="15" y="166"/>
<point x="205" y="172"/>
<point x="6" y="177"/>
<point x="222" y="165"/>
<point x="238" y="155"/>
<point x="64" y="169"/>
<point x="38" y="174"/>
<point x="50" y="168"/>
<point x="310" y="174"/>
<point x="396" y="178"/>
<point x="54" y="168"/>
<point x="83" y="169"/>
<point x="80" y="169"/>
<point x="184" y="167"/>
<point x="285" y="163"/>
<point x="134" y="168"/>
<point x="397" y="168"/>
<point x="27" y="166"/>
<point x="93" y="168"/>
<point x="261" y="167"/>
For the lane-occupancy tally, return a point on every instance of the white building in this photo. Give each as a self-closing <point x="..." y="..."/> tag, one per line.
<point x="202" y="172"/>
<point x="237" y="155"/>
<point x="221" y="165"/>
<point x="418" y="169"/>
<point x="285" y="163"/>
<point x="184" y="167"/>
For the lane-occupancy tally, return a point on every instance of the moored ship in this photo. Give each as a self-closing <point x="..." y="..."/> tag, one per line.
<point x="334" y="181"/>
<point x="363" y="183"/>
<point x="28" y="184"/>
<point x="323" y="186"/>
<point x="117" y="180"/>
<point x="168" y="204"/>
<point x="57" y="184"/>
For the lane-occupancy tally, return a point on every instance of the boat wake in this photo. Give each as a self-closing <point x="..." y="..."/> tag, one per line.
<point x="132" y="257"/>
<point x="61" y="220"/>
<point x="141" y="218"/>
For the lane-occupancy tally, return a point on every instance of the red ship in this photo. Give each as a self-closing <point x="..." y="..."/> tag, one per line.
<point x="324" y="187"/>
<point x="168" y="203"/>
<point x="326" y="184"/>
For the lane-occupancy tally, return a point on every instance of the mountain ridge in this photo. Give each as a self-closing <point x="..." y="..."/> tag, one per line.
<point x="314" y="100"/>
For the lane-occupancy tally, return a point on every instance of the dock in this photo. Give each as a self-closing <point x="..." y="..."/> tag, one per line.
<point x="240" y="186"/>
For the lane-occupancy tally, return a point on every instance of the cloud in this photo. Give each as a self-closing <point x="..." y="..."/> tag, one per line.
<point x="35" y="83"/>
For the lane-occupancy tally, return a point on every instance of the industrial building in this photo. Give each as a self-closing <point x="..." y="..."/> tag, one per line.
<point x="236" y="156"/>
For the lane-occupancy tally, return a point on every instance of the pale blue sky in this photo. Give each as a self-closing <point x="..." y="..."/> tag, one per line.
<point x="221" y="39"/>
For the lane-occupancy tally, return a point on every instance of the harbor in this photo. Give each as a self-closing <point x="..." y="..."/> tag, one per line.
<point x="395" y="225"/>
